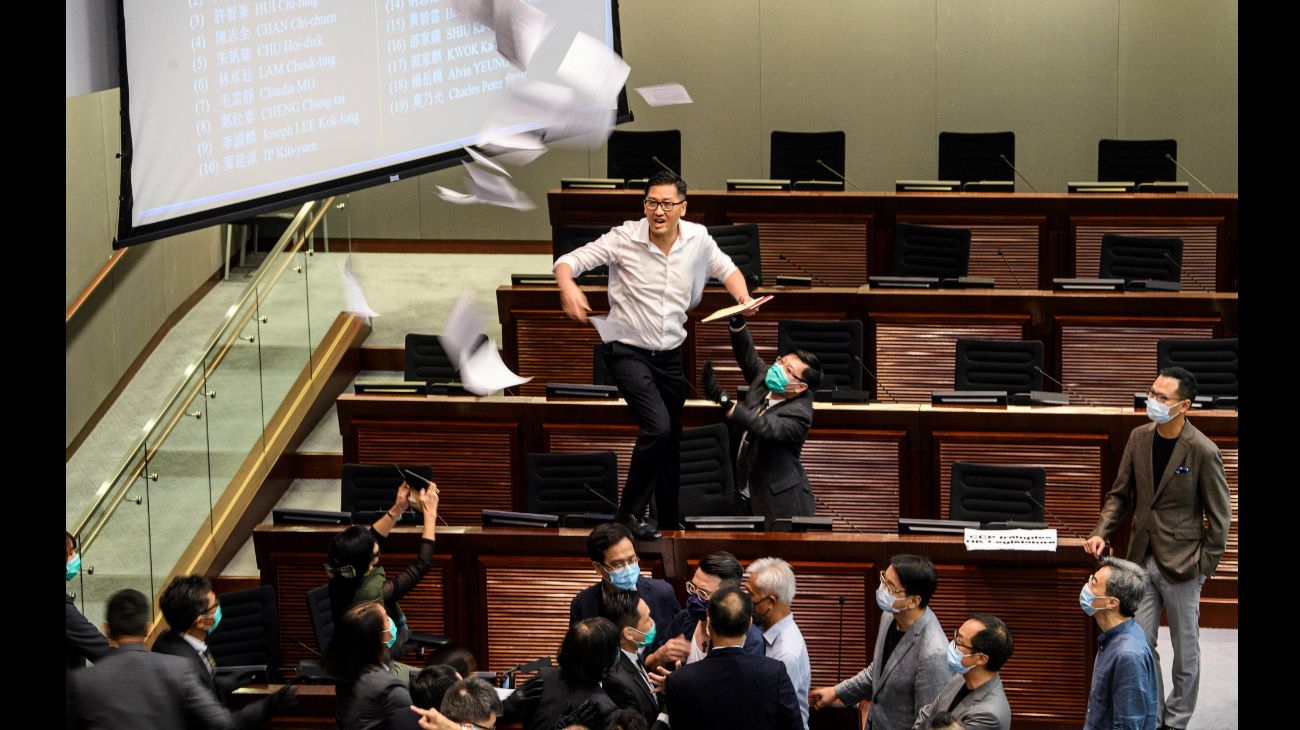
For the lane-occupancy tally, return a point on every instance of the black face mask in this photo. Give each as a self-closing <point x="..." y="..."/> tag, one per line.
<point x="698" y="607"/>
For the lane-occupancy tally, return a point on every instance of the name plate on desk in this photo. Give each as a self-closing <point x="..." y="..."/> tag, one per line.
<point x="1039" y="540"/>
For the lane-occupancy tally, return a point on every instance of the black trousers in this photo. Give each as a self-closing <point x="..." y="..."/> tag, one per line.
<point x="653" y="384"/>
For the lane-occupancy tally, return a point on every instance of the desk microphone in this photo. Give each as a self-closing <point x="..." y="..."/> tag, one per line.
<point x="669" y="169"/>
<point x="1189" y="172"/>
<point x="841" y="177"/>
<point x="1062" y="522"/>
<point x="874" y="379"/>
<point x="1182" y="271"/>
<point x="1013" y="169"/>
<point x="837" y="514"/>
<point x="1009" y="269"/>
<point x="602" y="497"/>
<point x="839" y="645"/>
<point x="1068" y="389"/>
<point x="810" y="274"/>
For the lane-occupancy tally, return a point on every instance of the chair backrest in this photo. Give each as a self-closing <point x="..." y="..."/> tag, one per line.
<point x="996" y="493"/>
<point x="1213" y="362"/>
<point x="426" y="361"/>
<point x="1138" y="160"/>
<point x="795" y="155"/>
<point x="561" y="484"/>
<point x="571" y="238"/>
<point x="629" y="153"/>
<point x="600" y="372"/>
<point x="707" y="485"/>
<point x="999" y="365"/>
<point x="967" y="156"/>
<point x="740" y="242"/>
<point x="931" y="251"/>
<point x="373" y="487"/>
<point x="250" y="629"/>
<point x="322" y="619"/>
<point x="835" y="343"/>
<point x="1141" y="257"/>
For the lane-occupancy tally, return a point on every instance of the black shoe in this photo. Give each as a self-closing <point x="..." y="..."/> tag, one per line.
<point x="639" y="528"/>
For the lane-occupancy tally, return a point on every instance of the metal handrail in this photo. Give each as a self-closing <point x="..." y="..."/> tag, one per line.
<point x="290" y="242"/>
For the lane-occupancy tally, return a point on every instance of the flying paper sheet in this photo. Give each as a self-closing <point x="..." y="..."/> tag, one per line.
<point x="496" y="190"/>
<point x="519" y="27"/>
<point x="565" y="118"/>
<point x="593" y="69"/>
<point x="609" y="331"/>
<point x="354" y="300"/>
<point x="466" y="321"/>
<point x="514" y="149"/>
<point x="451" y="196"/>
<point x="484" y="161"/>
<point x="664" y="94"/>
<point x="485" y="373"/>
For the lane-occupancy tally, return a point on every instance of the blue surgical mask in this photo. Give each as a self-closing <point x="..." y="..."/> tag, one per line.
<point x="392" y="633"/>
<point x="776" y="379"/>
<point x="698" y="607"/>
<point x="1157" y="411"/>
<point x="625" y="578"/>
<point x="72" y="567"/>
<point x="885" y="599"/>
<point x="1086" y="597"/>
<point x="954" y="659"/>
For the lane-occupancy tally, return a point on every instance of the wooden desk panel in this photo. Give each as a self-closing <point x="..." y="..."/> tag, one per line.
<point x="842" y="237"/>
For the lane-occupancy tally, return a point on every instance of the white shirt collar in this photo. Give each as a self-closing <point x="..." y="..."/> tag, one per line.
<point x="199" y="646"/>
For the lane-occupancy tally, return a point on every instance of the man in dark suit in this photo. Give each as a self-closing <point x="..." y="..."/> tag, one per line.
<point x="83" y="641"/>
<point x="731" y="688"/>
<point x="1180" y="527"/>
<point x="134" y="689"/>
<point x="614" y="558"/>
<point x="974" y="696"/>
<point x="629" y="684"/>
<point x="192" y="612"/>
<point x="716" y="572"/>
<point x="773" y="422"/>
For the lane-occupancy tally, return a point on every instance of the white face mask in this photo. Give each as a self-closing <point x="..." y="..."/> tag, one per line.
<point x="885" y="600"/>
<point x="1158" y="412"/>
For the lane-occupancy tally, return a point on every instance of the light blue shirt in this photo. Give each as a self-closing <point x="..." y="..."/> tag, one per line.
<point x="784" y="642"/>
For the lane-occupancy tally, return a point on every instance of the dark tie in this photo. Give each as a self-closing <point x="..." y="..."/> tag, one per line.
<point x="212" y="661"/>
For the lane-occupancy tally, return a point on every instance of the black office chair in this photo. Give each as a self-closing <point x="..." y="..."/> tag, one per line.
<point x="834" y="343"/>
<point x="971" y="157"/>
<point x="630" y="153"/>
<point x="707" y="483"/>
<point x="600" y="372"/>
<point x="369" y="489"/>
<point x="795" y="155"/>
<point x="1141" y="257"/>
<point x="996" y="493"/>
<point x="426" y="361"/>
<point x="322" y="619"/>
<point x="931" y="251"/>
<point x="571" y="238"/>
<point x="1213" y="362"/>
<point x="250" y="633"/>
<point x="562" y="484"/>
<point x="1136" y="160"/>
<point x="999" y="365"/>
<point x="740" y="242"/>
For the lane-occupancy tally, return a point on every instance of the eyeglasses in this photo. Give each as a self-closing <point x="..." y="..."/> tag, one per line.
<point x="634" y="560"/>
<point x="956" y="640"/>
<point x="700" y="593"/>
<point x="885" y="582"/>
<point x="664" y="205"/>
<point x="788" y="373"/>
<point x="1167" y="400"/>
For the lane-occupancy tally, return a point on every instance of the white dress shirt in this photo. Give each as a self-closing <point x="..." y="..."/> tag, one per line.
<point x="649" y="292"/>
<point x="785" y="643"/>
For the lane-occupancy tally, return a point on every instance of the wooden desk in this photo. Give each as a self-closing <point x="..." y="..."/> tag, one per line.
<point x="844" y="237"/>
<point x="505" y="594"/>
<point x="1103" y="344"/>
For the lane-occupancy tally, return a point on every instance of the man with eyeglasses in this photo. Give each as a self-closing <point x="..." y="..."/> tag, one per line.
<point x="1171" y="478"/>
<point x="715" y="572"/>
<point x="774" y="422"/>
<point x="975" y="696"/>
<point x="615" y="560"/>
<point x="909" y="665"/>
<point x="657" y="270"/>
<point x="1124" y="690"/>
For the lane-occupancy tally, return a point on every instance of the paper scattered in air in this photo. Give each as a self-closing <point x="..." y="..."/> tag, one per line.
<point x="664" y="94"/>
<point x="593" y="69"/>
<point x="354" y="299"/>
<point x="496" y="190"/>
<point x="485" y="373"/>
<point x="466" y="321"/>
<point x="609" y="331"/>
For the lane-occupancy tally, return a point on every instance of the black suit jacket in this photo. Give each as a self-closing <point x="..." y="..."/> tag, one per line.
<point x="134" y="689"/>
<point x="778" y="484"/>
<point x="629" y="691"/>
<point x="172" y="643"/>
<point x="732" y="689"/>
<point x="658" y="595"/>
<point x="547" y="697"/>
<point x="83" y="640"/>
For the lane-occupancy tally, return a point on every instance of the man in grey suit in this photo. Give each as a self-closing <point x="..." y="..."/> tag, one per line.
<point x="774" y="422"/>
<point x="135" y="689"/>
<point x="1170" y="537"/>
<point x="975" y="696"/>
<point x="910" y="664"/>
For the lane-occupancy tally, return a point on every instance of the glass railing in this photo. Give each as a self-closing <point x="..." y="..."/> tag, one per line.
<point x="145" y="516"/>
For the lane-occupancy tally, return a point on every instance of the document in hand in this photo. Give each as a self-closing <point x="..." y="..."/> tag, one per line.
<point x="737" y="309"/>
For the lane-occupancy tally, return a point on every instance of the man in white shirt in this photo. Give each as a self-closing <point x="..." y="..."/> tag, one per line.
<point x="657" y="270"/>
<point x="772" y="587"/>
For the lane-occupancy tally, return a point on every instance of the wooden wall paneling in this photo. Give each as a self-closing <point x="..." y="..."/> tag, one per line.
<point x="1005" y="249"/>
<point x="857" y="474"/>
<point x="1200" y="245"/>
<point x="916" y="354"/>
<point x="839" y="636"/>
<point x="713" y="342"/>
<point x="553" y="349"/>
<point x="1108" y="359"/>
<point x="526" y="599"/>
<point x="833" y="249"/>
<point x="572" y="438"/>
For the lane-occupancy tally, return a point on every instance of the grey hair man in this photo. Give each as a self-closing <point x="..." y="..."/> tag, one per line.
<point x="1124" y="689"/>
<point x="772" y="588"/>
